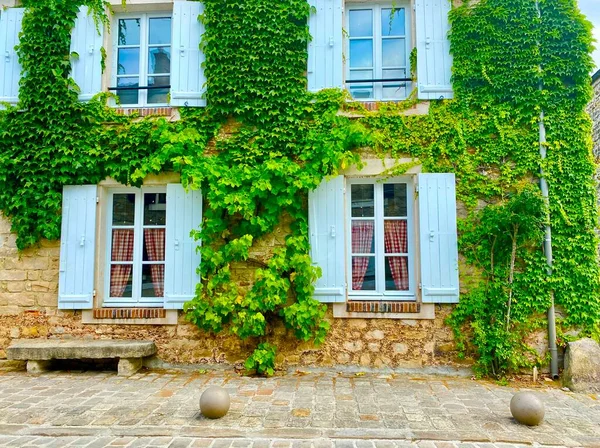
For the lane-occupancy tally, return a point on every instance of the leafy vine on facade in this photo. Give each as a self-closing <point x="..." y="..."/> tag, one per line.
<point x="263" y="142"/>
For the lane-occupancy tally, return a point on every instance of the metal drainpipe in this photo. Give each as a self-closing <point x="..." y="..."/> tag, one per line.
<point x="547" y="238"/>
<point x="548" y="252"/>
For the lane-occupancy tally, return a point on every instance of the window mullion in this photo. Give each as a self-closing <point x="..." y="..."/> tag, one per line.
<point x="143" y="93"/>
<point x="138" y="247"/>
<point x="379" y="239"/>
<point x="377" y="44"/>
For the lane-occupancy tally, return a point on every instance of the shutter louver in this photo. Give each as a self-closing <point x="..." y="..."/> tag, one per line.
<point x="327" y="242"/>
<point x="434" y="61"/>
<point x="438" y="238"/>
<point x="86" y="68"/>
<point x="10" y="69"/>
<point x="77" y="248"/>
<point x="187" y="75"/>
<point x="184" y="213"/>
<point x="325" y="49"/>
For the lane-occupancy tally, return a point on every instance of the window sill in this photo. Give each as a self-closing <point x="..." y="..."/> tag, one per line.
<point x="426" y="311"/>
<point x="421" y="108"/>
<point x="144" y="111"/>
<point x="137" y="316"/>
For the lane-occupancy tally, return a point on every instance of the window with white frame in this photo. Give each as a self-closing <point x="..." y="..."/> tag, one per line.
<point x="381" y="238"/>
<point x="143" y="59"/>
<point x="378" y="48"/>
<point x="136" y="252"/>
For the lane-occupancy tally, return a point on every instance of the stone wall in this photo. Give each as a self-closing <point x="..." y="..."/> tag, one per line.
<point x="28" y="281"/>
<point x="354" y="342"/>
<point x="28" y="309"/>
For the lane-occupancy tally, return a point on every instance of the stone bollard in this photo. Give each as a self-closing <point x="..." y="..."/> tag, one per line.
<point x="214" y="402"/>
<point x="527" y="408"/>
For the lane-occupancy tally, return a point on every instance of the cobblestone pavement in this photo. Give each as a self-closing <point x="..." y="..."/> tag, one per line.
<point x="326" y="409"/>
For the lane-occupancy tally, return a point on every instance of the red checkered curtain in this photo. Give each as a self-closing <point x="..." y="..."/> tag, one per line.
<point x="395" y="239"/>
<point x="155" y="247"/>
<point x="362" y="240"/>
<point x="122" y="250"/>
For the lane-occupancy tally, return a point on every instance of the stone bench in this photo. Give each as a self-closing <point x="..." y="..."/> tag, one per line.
<point x="39" y="353"/>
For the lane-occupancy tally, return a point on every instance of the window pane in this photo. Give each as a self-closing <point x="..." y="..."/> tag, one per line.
<point x="121" y="280"/>
<point x="153" y="280"/>
<point x="159" y="31"/>
<point x="159" y="60"/>
<point x="394" y="53"/>
<point x="396" y="274"/>
<point x="394" y="90"/>
<point x="361" y="53"/>
<point x="363" y="237"/>
<point x="158" y="95"/>
<point x="393" y="24"/>
<point x="128" y="61"/>
<point x="123" y="209"/>
<point x="395" y="237"/>
<point x="363" y="200"/>
<point x="360" y="90"/>
<point x="361" y="23"/>
<point x="129" y="31"/>
<point x="394" y="199"/>
<point x="154" y="244"/>
<point x="122" y="245"/>
<point x="363" y="273"/>
<point x="128" y="96"/>
<point x="155" y="206"/>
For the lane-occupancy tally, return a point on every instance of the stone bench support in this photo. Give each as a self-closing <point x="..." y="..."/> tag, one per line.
<point x="39" y="353"/>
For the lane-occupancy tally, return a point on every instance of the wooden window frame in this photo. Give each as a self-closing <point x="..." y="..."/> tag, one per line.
<point x="377" y="87"/>
<point x="144" y="47"/>
<point x="136" y="300"/>
<point x="380" y="293"/>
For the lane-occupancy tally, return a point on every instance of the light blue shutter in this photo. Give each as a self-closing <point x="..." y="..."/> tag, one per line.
<point x="325" y="50"/>
<point x="77" y="248"/>
<point x="434" y="61"/>
<point x="10" y="69"/>
<point x="437" y="238"/>
<point x="87" y="43"/>
<point x="187" y="74"/>
<point x="327" y="242"/>
<point x="184" y="213"/>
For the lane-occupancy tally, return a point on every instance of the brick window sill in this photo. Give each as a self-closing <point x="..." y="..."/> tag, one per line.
<point x="384" y="310"/>
<point x="130" y="316"/>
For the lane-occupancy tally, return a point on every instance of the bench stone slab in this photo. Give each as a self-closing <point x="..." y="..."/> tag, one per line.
<point x="47" y="349"/>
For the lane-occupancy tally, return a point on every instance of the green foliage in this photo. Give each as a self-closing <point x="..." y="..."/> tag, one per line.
<point x="262" y="360"/>
<point x="264" y="142"/>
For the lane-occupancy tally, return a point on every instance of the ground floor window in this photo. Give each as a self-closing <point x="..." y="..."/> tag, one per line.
<point x="381" y="238"/>
<point x="136" y="253"/>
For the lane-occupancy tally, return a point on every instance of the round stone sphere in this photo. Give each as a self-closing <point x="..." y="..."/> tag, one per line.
<point x="527" y="408"/>
<point x="214" y="402"/>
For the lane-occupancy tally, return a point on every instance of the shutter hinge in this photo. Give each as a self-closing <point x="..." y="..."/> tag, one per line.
<point x="417" y="188"/>
<point x="97" y="199"/>
<point x="420" y="285"/>
<point x="94" y="293"/>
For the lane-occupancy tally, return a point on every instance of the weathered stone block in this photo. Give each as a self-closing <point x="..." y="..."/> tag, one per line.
<point x="13" y="275"/>
<point x="375" y="334"/>
<point x="129" y="366"/>
<point x="26" y="263"/>
<point x="582" y="366"/>
<point x="38" y="366"/>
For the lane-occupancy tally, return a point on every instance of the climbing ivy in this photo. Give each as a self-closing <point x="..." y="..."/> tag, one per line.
<point x="263" y="142"/>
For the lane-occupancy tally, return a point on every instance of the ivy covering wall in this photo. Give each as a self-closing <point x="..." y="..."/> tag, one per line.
<point x="263" y="142"/>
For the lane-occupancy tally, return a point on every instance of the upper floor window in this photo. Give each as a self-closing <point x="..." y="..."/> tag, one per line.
<point x="378" y="48"/>
<point x="143" y="59"/>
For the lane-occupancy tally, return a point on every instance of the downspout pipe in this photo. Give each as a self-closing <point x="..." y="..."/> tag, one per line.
<point x="547" y="235"/>
<point x="548" y="252"/>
